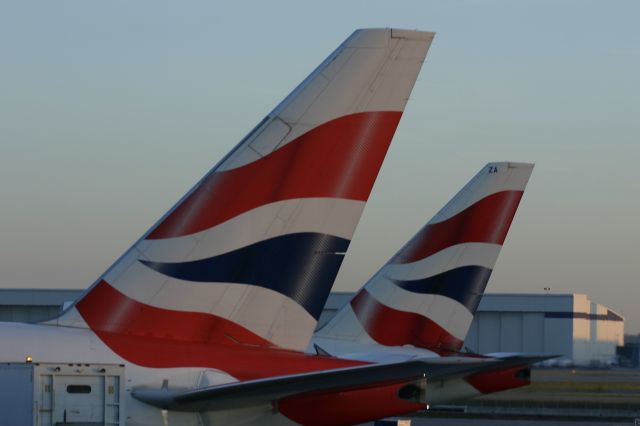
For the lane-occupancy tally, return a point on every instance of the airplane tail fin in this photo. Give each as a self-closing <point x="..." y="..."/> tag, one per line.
<point x="250" y="253"/>
<point x="427" y="294"/>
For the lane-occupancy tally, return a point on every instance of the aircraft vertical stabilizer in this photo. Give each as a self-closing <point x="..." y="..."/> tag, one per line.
<point x="249" y="255"/>
<point x="427" y="294"/>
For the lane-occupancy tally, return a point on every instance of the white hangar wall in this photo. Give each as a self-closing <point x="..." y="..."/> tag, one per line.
<point x="571" y="325"/>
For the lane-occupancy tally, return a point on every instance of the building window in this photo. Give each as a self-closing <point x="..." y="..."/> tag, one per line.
<point x="78" y="389"/>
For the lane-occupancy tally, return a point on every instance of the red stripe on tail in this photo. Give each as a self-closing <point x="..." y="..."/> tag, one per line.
<point x="486" y="221"/>
<point x="390" y="327"/>
<point x="338" y="159"/>
<point x="106" y="309"/>
<point x="161" y="338"/>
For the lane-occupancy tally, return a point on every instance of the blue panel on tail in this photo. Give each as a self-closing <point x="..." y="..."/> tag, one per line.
<point x="465" y="284"/>
<point x="301" y="266"/>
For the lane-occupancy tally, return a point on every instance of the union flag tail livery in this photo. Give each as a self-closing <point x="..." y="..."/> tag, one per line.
<point x="427" y="294"/>
<point x="249" y="255"/>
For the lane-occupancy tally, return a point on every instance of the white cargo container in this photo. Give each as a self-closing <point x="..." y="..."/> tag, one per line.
<point x="46" y="394"/>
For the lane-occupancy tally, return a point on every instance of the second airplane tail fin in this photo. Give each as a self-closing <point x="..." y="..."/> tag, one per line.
<point x="427" y="294"/>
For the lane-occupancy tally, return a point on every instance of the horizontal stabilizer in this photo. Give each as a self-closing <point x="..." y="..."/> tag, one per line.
<point x="266" y="391"/>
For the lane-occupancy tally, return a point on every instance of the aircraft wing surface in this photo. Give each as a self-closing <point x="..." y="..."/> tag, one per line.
<point x="269" y="390"/>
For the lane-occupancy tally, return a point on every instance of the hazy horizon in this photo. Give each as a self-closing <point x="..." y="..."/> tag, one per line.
<point x="111" y="111"/>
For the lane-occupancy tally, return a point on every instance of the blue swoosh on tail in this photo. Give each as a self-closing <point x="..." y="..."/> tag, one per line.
<point x="465" y="285"/>
<point x="301" y="266"/>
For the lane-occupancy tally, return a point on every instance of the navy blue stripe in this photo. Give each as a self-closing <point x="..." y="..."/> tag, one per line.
<point x="301" y="266"/>
<point x="609" y="316"/>
<point x="465" y="284"/>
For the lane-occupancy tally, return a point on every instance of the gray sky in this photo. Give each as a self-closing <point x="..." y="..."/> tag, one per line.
<point x="110" y="111"/>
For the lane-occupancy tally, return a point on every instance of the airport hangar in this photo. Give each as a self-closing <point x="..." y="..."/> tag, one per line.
<point x="585" y="333"/>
